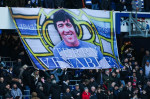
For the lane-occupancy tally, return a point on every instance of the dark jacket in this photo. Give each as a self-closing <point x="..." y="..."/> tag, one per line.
<point x="124" y="94"/>
<point x="55" y="91"/>
<point x="75" y="92"/>
<point x="145" y="58"/>
<point x="107" y="80"/>
<point x="2" y="87"/>
<point x="82" y="86"/>
<point x="144" y="96"/>
<point x="40" y="94"/>
<point x="49" y="3"/>
<point x="116" y="94"/>
<point x="47" y="86"/>
<point x="7" y="93"/>
<point x="94" y="83"/>
<point x="59" y="3"/>
<point x="100" y="96"/>
<point x="106" y="5"/>
<point x="93" y="95"/>
<point x="67" y="95"/>
<point x="148" y="91"/>
<point x="64" y="87"/>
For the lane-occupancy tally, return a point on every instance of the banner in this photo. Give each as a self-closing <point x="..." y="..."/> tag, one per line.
<point x="67" y="38"/>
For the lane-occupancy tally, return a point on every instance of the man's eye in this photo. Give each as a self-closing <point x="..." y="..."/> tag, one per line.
<point x="68" y="24"/>
<point x="60" y="25"/>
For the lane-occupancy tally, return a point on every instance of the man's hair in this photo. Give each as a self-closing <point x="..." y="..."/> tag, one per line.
<point x="62" y="15"/>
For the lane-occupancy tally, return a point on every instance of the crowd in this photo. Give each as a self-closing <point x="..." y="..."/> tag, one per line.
<point x="130" y="82"/>
<point x="117" y="5"/>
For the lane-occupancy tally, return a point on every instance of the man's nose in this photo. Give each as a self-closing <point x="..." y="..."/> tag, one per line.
<point x="66" y="29"/>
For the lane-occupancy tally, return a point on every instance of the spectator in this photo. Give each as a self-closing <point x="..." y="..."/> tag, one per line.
<point x="99" y="76"/>
<point x="147" y="88"/>
<point x="95" y="4"/>
<point x="88" y="4"/>
<point x="40" y="92"/>
<point x="116" y="92"/>
<point x="130" y="89"/>
<point x="60" y="3"/>
<point x="147" y="5"/>
<point x="56" y="73"/>
<point x="28" y="4"/>
<point x="35" y="76"/>
<point x="67" y="94"/>
<point x="22" y="69"/>
<point x="3" y="72"/>
<point x="2" y="63"/>
<point x="107" y="79"/>
<point x="16" y="91"/>
<point x="112" y="86"/>
<point x="21" y="3"/>
<point x="82" y="85"/>
<point x="47" y="87"/>
<point x="49" y="3"/>
<point x="92" y="83"/>
<point x="115" y="78"/>
<point x="134" y="80"/>
<point x="86" y="94"/>
<point x="42" y="4"/>
<point x="7" y="92"/>
<point x="34" y="95"/>
<point x="146" y="57"/>
<point x="136" y="93"/>
<point x="77" y="4"/>
<point x="141" y="77"/>
<point x="147" y="69"/>
<point x="35" y="3"/>
<point x="120" y="5"/>
<point x="41" y="82"/>
<point x="93" y="93"/>
<point x="136" y="5"/>
<point x="10" y="70"/>
<point x="2" y="86"/>
<point x="106" y="5"/>
<point x="76" y="93"/>
<point x="109" y="94"/>
<point x="1" y="3"/>
<point x="128" y="5"/>
<point x="55" y="90"/>
<point x="65" y="85"/>
<point x="124" y="94"/>
<point x="100" y="94"/>
<point x="123" y="75"/>
<point x="144" y="95"/>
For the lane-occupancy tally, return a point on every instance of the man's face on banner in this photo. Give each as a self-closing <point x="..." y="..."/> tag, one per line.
<point x="67" y="31"/>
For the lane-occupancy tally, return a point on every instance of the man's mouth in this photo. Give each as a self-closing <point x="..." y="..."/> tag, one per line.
<point x="69" y="36"/>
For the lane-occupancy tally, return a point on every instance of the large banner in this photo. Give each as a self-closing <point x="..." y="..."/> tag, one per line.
<point x="67" y="38"/>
